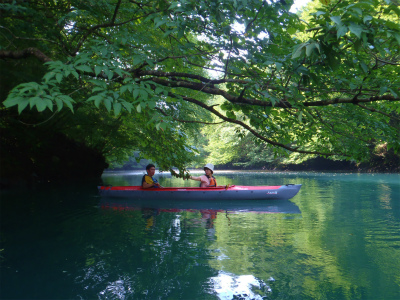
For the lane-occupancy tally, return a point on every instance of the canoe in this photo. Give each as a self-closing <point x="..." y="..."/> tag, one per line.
<point x="233" y="192"/>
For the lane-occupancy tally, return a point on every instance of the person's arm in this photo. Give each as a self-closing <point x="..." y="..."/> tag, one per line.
<point x="201" y="178"/>
<point x="149" y="183"/>
<point x="195" y="178"/>
<point x="146" y="185"/>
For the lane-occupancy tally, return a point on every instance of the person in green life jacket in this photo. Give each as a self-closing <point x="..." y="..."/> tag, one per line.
<point x="207" y="180"/>
<point x="148" y="181"/>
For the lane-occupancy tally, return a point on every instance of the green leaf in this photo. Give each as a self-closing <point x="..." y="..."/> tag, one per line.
<point x="48" y="76"/>
<point x="41" y="105"/>
<point x="59" y="104"/>
<point x="159" y="22"/>
<point x="159" y="90"/>
<point x="168" y="32"/>
<point x="300" y="116"/>
<point x="97" y="70"/>
<point x="139" y="108"/>
<point x="356" y="29"/>
<point x="109" y="74"/>
<point x="12" y="101"/>
<point x="123" y="88"/>
<point x="231" y="115"/>
<point x="68" y="101"/>
<point x="268" y="63"/>
<point x="33" y="101"/>
<point x="135" y="93"/>
<point x="128" y="106"/>
<point x="108" y="103"/>
<point x="310" y="48"/>
<point x="382" y="90"/>
<point x="84" y="68"/>
<point x="173" y="5"/>
<point x="143" y="95"/>
<point x="97" y="101"/>
<point x="97" y="89"/>
<point x="364" y="67"/>
<point x="367" y="18"/>
<point x="397" y="37"/>
<point x="393" y="92"/>
<point x="137" y="60"/>
<point x="59" y="77"/>
<point x="337" y="20"/>
<point x="117" y="108"/>
<point x="76" y="75"/>
<point x="342" y="30"/>
<point x="22" y="105"/>
<point x="298" y="51"/>
<point x="353" y="86"/>
<point x="291" y="30"/>
<point x="357" y="10"/>
<point x="120" y="72"/>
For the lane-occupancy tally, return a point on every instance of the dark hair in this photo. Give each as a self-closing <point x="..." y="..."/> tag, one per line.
<point x="150" y="166"/>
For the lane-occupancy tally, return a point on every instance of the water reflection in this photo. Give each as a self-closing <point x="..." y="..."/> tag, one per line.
<point x="245" y="287"/>
<point x="205" y="207"/>
<point x="119" y="289"/>
<point x="71" y="244"/>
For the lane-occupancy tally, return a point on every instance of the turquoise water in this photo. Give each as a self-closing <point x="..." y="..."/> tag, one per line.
<point x="339" y="238"/>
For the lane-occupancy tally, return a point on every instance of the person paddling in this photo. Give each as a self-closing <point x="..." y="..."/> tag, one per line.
<point x="207" y="180"/>
<point x="148" y="181"/>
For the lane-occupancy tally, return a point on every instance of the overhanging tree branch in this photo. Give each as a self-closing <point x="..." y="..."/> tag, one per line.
<point x="249" y="129"/>
<point x="25" y="53"/>
<point x="241" y="100"/>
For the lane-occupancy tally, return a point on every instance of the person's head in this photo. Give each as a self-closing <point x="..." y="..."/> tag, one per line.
<point x="151" y="169"/>
<point x="209" y="169"/>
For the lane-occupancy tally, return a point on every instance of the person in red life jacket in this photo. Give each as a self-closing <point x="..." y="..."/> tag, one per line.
<point x="207" y="180"/>
<point x="148" y="181"/>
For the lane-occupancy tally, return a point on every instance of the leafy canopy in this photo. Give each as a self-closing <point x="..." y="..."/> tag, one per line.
<point x="323" y="83"/>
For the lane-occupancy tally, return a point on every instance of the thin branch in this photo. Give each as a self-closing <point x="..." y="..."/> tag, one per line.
<point x="255" y="18"/>
<point x="378" y="111"/>
<point x="37" y="124"/>
<point x="227" y="60"/>
<point x="116" y="12"/>
<point x="187" y="121"/>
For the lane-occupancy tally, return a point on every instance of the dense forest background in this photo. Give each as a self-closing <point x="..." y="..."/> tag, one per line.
<point x="87" y="85"/>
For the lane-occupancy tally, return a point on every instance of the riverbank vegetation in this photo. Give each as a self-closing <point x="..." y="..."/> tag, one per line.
<point x="84" y="84"/>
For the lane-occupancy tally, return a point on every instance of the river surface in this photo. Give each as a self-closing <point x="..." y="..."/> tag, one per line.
<point x="338" y="238"/>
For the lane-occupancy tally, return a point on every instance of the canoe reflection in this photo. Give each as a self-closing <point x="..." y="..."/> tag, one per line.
<point x="234" y="206"/>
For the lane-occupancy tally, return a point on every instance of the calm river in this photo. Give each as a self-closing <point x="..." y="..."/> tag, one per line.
<point x="339" y="238"/>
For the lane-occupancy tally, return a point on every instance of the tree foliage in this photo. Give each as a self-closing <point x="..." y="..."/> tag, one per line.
<point x="326" y="84"/>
